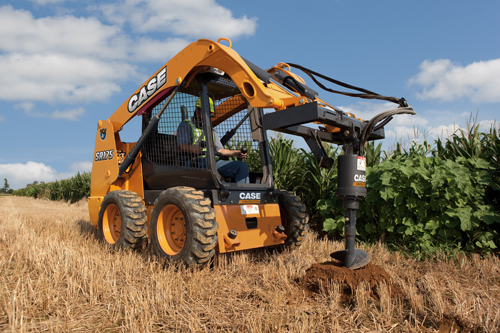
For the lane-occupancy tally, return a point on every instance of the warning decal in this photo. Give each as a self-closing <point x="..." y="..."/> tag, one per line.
<point x="361" y="163"/>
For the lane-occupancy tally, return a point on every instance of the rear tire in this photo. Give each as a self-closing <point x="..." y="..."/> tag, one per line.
<point x="122" y="220"/>
<point x="183" y="226"/>
<point x="294" y="218"/>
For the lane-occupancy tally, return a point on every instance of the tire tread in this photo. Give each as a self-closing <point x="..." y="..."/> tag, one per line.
<point x="297" y="219"/>
<point x="133" y="218"/>
<point x="202" y="221"/>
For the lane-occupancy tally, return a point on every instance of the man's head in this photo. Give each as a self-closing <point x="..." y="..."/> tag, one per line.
<point x="198" y="105"/>
<point x="197" y="112"/>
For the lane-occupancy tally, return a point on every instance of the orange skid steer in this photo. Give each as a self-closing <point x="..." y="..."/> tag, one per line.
<point x="168" y="188"/>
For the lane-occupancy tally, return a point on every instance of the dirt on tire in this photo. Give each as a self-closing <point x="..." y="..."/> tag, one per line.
<point x="321" y="277"/>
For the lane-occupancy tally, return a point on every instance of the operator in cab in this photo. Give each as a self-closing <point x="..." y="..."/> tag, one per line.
<point x="190" y="135"/>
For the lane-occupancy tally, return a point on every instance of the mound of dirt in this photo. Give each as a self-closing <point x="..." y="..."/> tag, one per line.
<point x="453" y="324"/>
<point x="319" y="277"/>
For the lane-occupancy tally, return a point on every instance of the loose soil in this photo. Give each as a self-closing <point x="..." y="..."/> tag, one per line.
<point x="456" y="325"/>
<point x="322" y="277"/>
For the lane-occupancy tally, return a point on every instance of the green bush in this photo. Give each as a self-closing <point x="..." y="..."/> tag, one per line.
<point x="424" y="202"/>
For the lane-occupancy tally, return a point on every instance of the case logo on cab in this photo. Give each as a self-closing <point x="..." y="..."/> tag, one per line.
<point x="147" y="90"/>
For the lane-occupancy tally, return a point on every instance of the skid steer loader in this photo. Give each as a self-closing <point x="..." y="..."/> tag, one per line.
<point x="154" y="190"/>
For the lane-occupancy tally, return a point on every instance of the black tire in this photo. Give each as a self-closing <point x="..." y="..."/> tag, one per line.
<point x="122" y="220"/>
<point x="183" y="226"/>
<point x="294" y="218"/>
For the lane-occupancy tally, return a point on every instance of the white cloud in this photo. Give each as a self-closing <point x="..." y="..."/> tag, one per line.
<point x="69" y="59"/>
<point x="2" y="118"/>
<point x="190" y="18"/>
<point x="443" y="131"/>
<point x="19" y="174"/>
<point x="76" y="59"/>
<point x="72" y="114"/>
<point x="75" y="37"/>
<point x="60" y="78"/>
<point x="443" y="80"/>
<point x="83" y="166"/>
<point x="147" y="49"/>
<point x="407" y="119"/>
<point x="486" y="125"/>
<point x="403" y="132"/>
<point x="419" y="133"/>
<point x="68" y="35"/>
<point x="61" y="59"/>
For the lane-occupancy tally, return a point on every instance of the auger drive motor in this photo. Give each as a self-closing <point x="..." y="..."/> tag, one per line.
<point x="172" y="188"/>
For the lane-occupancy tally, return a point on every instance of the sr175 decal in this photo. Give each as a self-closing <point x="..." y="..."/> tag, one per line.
<point x="104" y="155"/>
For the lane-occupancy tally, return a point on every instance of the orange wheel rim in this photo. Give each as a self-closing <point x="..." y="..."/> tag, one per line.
<point x="111" y="224"/>
<point x="171" y="229"/>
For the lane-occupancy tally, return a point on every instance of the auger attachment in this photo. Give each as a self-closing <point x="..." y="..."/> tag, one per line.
<point x="351" y="187"/>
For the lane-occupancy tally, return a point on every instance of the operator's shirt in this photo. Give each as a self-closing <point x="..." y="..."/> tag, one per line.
<point x="185" y="135"/>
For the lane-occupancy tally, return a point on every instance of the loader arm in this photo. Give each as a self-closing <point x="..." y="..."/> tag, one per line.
<point x="185" y="65"/>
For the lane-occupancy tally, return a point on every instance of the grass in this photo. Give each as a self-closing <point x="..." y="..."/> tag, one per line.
<point x="55" y="276"/>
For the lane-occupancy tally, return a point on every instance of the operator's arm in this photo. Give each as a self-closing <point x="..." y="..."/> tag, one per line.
<point x="229" y="153"/>
<point x="226" y="152"/>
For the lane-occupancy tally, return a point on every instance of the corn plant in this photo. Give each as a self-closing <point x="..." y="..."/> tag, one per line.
<point x="374" y="154"/>
<point x="286" y="163"/>
<point x="472" y="144"/>
<point x="317" y="185"/>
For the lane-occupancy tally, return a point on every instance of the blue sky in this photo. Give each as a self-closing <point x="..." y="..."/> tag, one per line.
<point x="65" y="64"/>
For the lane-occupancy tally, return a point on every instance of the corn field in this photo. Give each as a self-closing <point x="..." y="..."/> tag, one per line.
<point x="73" y="189"/>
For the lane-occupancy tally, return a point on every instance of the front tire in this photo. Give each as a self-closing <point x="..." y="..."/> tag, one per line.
<point x="122" y="220"/>
<point x="183" y="226"/>
<point x="294" y="218"/>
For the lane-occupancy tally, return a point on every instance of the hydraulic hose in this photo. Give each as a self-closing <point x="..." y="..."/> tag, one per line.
<point x="385" y="117"/>
<point x="367" y="94"/>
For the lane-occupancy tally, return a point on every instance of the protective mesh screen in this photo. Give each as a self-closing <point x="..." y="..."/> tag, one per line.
<point x="235" y="131"/>
<point x="162" y="146"/>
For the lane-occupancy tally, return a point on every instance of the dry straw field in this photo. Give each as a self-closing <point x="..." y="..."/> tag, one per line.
<point x="56" y="277"/>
